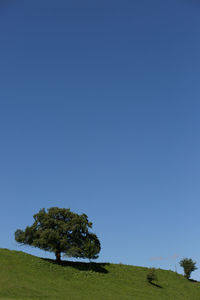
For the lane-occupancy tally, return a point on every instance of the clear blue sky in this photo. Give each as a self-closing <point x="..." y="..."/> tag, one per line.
<point x="99" y="112"/>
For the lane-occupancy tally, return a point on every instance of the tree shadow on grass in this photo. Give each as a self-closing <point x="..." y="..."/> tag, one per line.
<point x="156" y="285"/>
<point x="193" y="281"/>
<point x="81" y="266"/>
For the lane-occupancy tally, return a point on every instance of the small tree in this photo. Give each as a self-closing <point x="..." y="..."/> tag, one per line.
<point x="60" y="231"/>
<point x="188" y="266"/>
<point x="151" y="275"/>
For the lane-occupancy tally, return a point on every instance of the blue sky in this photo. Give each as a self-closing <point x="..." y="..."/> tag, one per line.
<point x="99" y="112"/>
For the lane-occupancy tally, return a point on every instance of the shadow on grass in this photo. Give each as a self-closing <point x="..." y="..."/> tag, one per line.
<point x="194" y="281"/>
<point x="82" y="266"/>
<point x="156" y="285"/>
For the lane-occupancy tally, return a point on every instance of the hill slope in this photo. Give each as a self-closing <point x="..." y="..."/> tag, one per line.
<point x="26" y="277"/>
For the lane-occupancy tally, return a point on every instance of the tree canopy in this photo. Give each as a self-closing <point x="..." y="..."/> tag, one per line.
<point x="60" y="230"/>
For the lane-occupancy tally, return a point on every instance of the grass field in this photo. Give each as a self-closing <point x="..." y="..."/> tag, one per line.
<point x="26" y="277"/>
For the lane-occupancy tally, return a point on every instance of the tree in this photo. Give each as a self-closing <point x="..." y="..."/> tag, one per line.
<point x="188" y="265"/>
<point x="59" y="230"/>
<point x="151" y="275"/>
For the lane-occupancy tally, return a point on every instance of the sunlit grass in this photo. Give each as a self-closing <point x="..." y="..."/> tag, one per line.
<point x="26" y="277"/>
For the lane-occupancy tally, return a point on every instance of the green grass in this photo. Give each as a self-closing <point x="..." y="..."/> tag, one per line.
<point x="26" y="277"/>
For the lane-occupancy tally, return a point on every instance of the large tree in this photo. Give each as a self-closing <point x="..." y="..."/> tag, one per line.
<point x="59" y="230"/>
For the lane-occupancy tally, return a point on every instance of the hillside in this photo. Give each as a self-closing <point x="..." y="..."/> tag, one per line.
<point x="26" y="277"/>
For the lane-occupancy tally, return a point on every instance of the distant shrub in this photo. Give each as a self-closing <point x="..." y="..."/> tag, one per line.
<point x="188" y="266"/>
<point x="151" y="275"/>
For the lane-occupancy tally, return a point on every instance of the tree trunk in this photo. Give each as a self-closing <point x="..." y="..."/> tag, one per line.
<point x="58" y="256"/>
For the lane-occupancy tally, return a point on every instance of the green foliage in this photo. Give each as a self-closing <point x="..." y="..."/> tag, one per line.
<point x="188" y="265"/>
<point x="151" y="275"/>
<point x="26" y="277"/>
<point x="60" y="231"/>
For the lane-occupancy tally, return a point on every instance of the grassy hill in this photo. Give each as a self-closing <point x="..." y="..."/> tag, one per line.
<point x="26" y="277"/>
